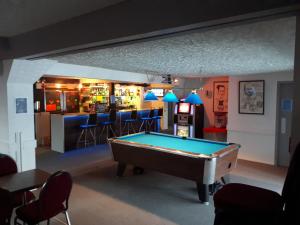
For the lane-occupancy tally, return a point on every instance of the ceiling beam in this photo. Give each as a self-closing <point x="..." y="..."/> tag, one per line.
<point x="135" y="20"/>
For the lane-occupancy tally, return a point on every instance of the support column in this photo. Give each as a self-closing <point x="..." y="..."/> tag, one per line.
<point x="295" y="136"/>
<point x="17" y="137"/>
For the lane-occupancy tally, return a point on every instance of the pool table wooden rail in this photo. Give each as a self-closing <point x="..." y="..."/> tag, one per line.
<point x="221" y="153"/>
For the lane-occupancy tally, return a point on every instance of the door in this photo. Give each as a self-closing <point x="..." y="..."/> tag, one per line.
<point x="284" y="121"/>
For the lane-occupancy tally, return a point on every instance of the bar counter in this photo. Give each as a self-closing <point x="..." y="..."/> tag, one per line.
<point x="65" y="128"/>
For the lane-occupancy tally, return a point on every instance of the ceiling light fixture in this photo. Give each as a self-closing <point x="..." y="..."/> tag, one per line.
<point x="150" y="96"/>
<point x="194" y="98"/>
<point x="170" y="97"/>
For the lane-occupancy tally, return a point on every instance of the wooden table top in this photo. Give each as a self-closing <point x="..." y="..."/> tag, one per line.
<point x="24" y="181"/>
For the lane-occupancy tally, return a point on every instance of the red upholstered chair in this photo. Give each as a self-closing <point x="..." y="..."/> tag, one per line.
<point x="53" y="199"/>
<point x="8" y="166"/>
<point x="241" y="204"/>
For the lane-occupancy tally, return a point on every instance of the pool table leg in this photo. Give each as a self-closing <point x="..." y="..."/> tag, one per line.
<point x="203" y="192"/>
<point x="138" y="170"/>
<point x="225" y="179"/>
<point x="121" y="169"/>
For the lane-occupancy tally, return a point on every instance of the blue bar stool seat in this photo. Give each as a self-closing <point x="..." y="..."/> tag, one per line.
<point x="147" y="121"/>
<point x="88" y="131"/>
<point x="129" y="123"/>
<point x="108" y="125"/>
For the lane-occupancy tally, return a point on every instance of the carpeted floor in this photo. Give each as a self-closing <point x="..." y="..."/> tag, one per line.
<point x="100" y="198"/>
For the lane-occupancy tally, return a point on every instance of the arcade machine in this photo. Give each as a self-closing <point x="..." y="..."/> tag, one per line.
<point x="188" y="120"/>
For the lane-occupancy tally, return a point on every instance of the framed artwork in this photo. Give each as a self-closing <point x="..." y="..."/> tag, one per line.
<point x="251" y="97"/>
<point x="220" y="99"/>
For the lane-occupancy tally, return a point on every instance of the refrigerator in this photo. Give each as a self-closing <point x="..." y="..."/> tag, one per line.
<point x="57" y="101"/>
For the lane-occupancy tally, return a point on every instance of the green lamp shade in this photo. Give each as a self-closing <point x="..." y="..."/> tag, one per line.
<point x="170" y="97"/>
<point x="193" y="98"/>
<point x="150" y="96"/>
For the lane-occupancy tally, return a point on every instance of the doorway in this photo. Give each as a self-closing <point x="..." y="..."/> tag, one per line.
<point x="284" y="121"/>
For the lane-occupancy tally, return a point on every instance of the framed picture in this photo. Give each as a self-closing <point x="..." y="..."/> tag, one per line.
<point x="220" y="99"/>
<point x="251" y="97"/>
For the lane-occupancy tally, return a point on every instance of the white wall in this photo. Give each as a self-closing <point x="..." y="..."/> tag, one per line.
<point x="256" y="133"/>
<point x="4" y="142"/>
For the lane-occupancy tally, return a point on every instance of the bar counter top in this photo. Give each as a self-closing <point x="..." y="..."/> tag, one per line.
<point x="85" y="113"/>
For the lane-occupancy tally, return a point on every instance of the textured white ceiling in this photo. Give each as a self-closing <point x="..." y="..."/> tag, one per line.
<point x="19" y="16"/>
<point x="246" y="49"/>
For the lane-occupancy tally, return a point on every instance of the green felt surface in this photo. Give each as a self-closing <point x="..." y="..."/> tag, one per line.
<point x="173" y="142"/>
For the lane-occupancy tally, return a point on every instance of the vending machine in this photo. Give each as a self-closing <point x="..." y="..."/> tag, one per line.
<point x="188" y="120"/>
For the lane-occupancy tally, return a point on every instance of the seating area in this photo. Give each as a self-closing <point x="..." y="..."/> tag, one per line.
<point x="134" y="199"/>
<point x="16" y="194"/>
<point x="247" y="198"/>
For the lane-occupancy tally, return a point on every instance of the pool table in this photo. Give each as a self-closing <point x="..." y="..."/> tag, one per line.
<point x="202" y="161"/>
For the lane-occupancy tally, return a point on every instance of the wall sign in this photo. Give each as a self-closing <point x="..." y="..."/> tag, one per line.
<point x="251" y="97"/>
<point x="287" y="105"/>
<point x="21" y="105"/>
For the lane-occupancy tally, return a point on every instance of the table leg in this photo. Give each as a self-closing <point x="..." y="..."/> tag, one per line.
<point x="203" y="193"/>
<point x="213" y="188"/>
<point x="24" y="198"/>
<point x="225" y="179"/>
<point x="121" y="169"/>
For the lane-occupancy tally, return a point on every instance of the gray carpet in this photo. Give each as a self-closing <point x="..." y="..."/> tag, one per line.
<point x="100" y="198"/>
<point x="170" y="198"/>
<point x="73" y="161"/>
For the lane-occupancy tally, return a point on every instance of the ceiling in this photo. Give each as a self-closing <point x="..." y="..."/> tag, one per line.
<point x="19" y="16"/>
<point x="260" y="47"/>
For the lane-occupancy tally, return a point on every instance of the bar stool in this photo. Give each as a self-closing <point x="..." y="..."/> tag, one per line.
<point x="156" y="119"/>
<point x="147" y="121"/>
<point x="129" y="122"/>
<point x="88" y="129"/>
<point x="107" y="125"/>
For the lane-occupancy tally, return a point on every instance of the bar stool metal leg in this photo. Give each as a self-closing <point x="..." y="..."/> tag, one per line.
<point x="92" y="133"/>
<point x="107" y="132"/>
<point x="85" y="134"/>
<point x="141" y="127"/>
<point x="123" y="129"/>
<point x="132" y="127"/>
<point x="80" y="136"/>
<point x="112" y="130"/>
<point x="101" y="133"/>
